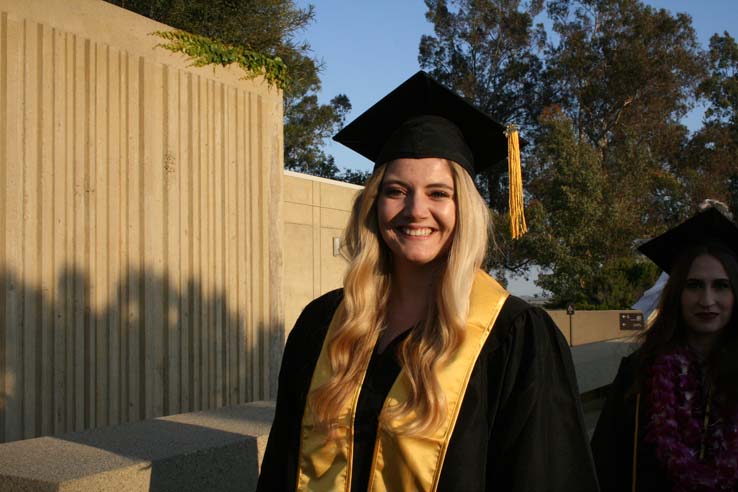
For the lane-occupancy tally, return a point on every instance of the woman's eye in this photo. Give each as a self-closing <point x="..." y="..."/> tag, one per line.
<point x="722" y="284"/>
<point x="440" y="194"/>
<point x="693" y="285"/>
<point x="392" y="192"/>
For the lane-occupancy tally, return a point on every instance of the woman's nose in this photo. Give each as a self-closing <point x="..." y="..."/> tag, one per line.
<point x="416" y="205"/>
<point x="708" y="297"/>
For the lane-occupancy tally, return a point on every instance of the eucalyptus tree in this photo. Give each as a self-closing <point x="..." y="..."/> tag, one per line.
<point x="600" y="94"/>
<point x="710" y="165"/>
<point x="623" y="76"/>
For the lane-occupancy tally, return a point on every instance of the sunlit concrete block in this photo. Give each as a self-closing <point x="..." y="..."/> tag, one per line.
<point x="210" y="450"/>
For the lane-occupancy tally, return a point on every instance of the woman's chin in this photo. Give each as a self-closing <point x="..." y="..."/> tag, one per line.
<point x="419" y="260"/>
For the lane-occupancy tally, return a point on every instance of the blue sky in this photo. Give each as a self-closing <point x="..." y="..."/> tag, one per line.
<point x="369" y="47"/>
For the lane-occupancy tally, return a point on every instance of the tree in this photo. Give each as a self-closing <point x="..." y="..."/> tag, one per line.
<point x="488" y="52"/>
<point x="709" y="167"/>
<point x="720" y="88"/>
<point x="601" y="102"/>
<point x="623" y="75"/>
<point x="626" y="73"/>
<point x="268" y="27"/>
<point x="574" y="238"/>
<point x="307" y="125"/>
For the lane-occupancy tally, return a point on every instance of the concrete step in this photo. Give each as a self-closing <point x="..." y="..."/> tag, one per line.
<point x="201" y="451"/>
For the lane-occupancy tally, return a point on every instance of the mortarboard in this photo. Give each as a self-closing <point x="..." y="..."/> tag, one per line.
<point x="422" y="118"/>
<point x="707" y="226"/>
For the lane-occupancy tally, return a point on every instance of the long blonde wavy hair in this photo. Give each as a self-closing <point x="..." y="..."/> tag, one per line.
<point x="366" y="295"/>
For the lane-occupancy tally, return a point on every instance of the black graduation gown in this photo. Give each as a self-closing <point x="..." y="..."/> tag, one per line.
<point x="612" y="441"/>
<point x="520" y="426"/>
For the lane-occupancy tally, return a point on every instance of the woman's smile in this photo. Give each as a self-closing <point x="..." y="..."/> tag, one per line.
<point x="416" y="209"/>
<point x="419" y="232"/>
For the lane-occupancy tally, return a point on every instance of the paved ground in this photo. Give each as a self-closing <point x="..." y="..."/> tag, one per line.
<point x="596" y="365"/>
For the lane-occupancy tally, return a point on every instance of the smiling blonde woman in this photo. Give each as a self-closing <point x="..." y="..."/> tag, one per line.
<point x="423" y="373"/>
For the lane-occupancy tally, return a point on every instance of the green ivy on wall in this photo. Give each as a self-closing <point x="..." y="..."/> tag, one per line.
<point x="205" y="51"/>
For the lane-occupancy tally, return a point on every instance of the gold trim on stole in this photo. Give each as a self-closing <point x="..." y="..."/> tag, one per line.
<point x="401" y="462"/>
<point x="414" y="463"/>
<point x="325" y="465"/>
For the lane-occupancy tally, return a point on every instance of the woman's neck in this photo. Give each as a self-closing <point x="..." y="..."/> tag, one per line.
<point x="412" y="284"/>
<point x="411" y="290"/>
<point x="701" y="344"/>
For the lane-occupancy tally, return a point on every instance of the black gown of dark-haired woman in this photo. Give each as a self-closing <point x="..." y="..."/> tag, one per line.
<point x="520" y="426"/>
<point x="613" y="439"/>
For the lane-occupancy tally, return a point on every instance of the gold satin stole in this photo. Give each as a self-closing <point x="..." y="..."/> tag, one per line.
<point x="400" y="461"/>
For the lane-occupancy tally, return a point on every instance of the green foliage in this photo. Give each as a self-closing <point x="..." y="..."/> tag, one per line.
<point x="709" y="169"/>
<point x="204" y="51"/>
<point x="600" y="102"/>
<point x="624" y="74"/>
<point x="307" y="125"/>
<point x="486" y="50"/>
<point x="733" y="194"/>
<point x="354" y="176"/>
<point x="720" y="88"/>
<point x="621" y="67"/>
<point x="570" y="191"/>
<point x="614" y="286"/>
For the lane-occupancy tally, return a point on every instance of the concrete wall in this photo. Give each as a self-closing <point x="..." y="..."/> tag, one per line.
<point x="315" y="213"/>
<point x="140" y="224"/>
<point x="584" y="327"/>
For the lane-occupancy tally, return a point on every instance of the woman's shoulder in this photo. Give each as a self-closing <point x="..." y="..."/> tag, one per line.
<point x="527" y="327"/>
<point x="516" y="306"/>
<point x="517" y="314"/>
<point x="327" y="303"/>
<point x="315" y="317"/>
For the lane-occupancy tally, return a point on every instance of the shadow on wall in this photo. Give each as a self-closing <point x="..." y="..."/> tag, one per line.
<point x="75" y="355"/>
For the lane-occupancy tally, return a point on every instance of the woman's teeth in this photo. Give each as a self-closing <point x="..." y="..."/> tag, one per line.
<point x="415" y="232"/>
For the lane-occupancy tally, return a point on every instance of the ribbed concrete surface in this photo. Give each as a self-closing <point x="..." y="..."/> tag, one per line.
<point x="140" y="224"/>
<point x="212" y="450"/>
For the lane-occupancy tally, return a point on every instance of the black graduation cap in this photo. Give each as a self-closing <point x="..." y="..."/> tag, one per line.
<point x="709" y="225"/>
<point x="422" y="118"/>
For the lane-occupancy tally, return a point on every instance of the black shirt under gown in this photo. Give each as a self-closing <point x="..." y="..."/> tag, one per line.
<point x="520" y="426"/>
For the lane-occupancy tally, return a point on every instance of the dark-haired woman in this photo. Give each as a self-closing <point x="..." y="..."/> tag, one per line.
<point x="670" y="422"/>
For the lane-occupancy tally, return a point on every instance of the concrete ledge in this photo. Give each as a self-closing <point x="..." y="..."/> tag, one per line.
<point x="211" y="450"/>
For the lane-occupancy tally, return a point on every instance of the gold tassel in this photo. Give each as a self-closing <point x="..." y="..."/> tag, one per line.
<point x="517" y="215"/>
